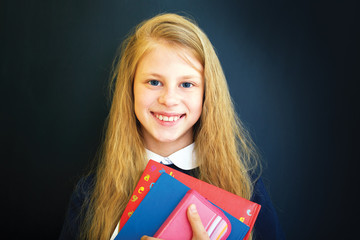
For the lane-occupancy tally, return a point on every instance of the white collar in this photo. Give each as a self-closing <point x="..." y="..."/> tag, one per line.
<point x="185" y="158"/>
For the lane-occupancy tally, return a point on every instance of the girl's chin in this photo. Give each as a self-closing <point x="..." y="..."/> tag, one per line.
<point x="167" y="140"/>
<point x="172" y="138"/>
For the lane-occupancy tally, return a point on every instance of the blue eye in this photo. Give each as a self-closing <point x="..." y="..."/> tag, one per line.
<point x="154" y="82"/>
<point x="186" y="85"/>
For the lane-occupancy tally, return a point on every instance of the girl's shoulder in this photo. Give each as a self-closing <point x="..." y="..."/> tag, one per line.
<point x="85" y="186"/>
<point x="78" y="202"/>
<point x="267" y="225"/>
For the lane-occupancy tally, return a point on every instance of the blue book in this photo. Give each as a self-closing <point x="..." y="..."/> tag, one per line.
<point x="158" y="204"/>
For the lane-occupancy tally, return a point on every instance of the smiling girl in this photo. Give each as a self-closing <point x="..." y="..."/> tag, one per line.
<point x="168" y="96"/>
<point x="171" y="104"/>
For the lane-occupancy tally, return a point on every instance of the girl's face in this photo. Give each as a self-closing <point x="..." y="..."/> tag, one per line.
<point x="168" y="97"/>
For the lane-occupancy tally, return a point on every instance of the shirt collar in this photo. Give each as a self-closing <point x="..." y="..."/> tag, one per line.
<point x="185" y="158"/>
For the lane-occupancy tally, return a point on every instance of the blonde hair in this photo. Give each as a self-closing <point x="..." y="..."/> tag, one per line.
<point x="224" y="149"/>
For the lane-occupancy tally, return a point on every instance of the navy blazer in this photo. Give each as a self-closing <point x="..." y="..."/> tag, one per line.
<point x="267" y="226"/>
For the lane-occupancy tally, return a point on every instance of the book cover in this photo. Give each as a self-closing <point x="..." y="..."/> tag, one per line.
<point x="158" y="204"/>
<point x="177" y="225"/>
<point x="242" y="209"/>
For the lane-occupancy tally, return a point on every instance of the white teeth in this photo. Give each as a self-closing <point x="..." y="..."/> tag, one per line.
<point x="167" y="119"/>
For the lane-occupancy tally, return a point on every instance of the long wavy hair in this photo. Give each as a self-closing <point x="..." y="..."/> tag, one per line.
<point x="225" y="152"/>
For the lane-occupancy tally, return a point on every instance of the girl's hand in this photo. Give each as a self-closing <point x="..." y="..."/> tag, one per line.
<point x="199" y="232"/>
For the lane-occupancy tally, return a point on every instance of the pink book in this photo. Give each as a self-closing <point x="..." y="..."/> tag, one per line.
<point x="177" y="226"/>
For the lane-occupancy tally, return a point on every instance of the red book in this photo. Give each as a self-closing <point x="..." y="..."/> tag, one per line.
<point x="242" y="209"/>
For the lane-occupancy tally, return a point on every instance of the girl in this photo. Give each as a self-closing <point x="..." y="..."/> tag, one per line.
<point x="171" y="104"/>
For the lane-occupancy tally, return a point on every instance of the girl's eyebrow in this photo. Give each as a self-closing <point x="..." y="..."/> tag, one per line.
<point x="189" y="77"/>
<point x="159" y="76"/>
<point x="151" y="75"/>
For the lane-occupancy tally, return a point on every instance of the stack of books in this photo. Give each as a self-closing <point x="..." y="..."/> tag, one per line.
<point x="160" y="200"/>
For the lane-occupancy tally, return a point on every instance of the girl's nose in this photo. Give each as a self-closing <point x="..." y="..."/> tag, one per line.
<point x="169" y="97"/>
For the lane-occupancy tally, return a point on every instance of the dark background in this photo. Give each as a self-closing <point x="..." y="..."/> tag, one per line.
<point x="290" y="66"/>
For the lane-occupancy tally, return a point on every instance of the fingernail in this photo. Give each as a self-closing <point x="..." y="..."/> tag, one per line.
<point x="193" y="208"/>
<point x="143" y="237"/>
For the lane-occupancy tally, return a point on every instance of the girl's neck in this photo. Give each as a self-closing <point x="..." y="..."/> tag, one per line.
<point x="165" y="149"/>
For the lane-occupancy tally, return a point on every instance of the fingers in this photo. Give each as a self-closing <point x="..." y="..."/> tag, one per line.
<point x="199" y="232"/>
<point x="148" y="238"/>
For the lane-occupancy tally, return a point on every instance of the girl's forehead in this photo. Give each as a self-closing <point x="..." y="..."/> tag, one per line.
<point x="164" y="51"/>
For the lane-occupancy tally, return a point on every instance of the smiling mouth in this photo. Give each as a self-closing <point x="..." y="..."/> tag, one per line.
<point x="164" y="118"/>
